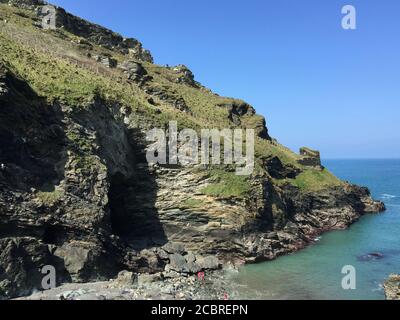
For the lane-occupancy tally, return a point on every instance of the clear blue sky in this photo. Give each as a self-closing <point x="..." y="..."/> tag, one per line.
<point x="318" y="85"/>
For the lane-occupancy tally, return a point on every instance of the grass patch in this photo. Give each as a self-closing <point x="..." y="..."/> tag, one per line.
<point x="314" y="180"/>
<point x="227" y="184"/>
<point x="49" y="197"/>
<point x="192" y="203"/>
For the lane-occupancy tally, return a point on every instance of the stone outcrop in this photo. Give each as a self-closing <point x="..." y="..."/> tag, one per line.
<point x="89" y="31"/>
<point x="135" y="71"/>
<point x="392" y="287"/>
<point x="102" y="36"/>
<point x="170" y="97"/>
<point x="310" y="158"/>
<point x="185" y="76"/>
<point x="278" y="170"/>
<point x="109" y="62"/>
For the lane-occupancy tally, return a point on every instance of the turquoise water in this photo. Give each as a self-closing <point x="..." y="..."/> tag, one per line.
<point x="315" y="272"/>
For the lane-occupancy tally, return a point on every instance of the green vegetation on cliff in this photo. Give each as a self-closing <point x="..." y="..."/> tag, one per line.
<point x="57" y="66"/>
<point x="314" y="180"/>
<point x="227" y="184"/>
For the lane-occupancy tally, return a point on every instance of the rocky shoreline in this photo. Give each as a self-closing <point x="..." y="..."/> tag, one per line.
<point x="129" y="286"/>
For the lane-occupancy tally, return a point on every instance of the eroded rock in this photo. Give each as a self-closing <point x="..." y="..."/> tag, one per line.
<point x="392" y="287"/>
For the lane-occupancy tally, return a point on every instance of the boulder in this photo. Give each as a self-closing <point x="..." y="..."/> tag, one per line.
<point x="150" y="261"/>
<point x="178" y="263"/>
<point x="76" y="258"/>
<point x="21" y="260"/>
<point x="133" y="70"/>
<point x="174" y="247"/>
<point x="208" y="263"/>
<point x="126" y="279"/>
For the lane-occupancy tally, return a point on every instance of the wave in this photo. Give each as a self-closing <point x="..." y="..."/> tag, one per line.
<point x="388" y="196"/>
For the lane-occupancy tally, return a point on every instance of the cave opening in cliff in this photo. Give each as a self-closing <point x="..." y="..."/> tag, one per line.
<point x="53" y="235"/>
<point x="132" y="209"/>
<point x="118" y="204"/>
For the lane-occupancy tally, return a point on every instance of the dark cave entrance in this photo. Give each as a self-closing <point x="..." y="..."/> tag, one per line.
<point x="54" y="235"/>
<point x="120" y="218"/>
<point x="132" y="210"/>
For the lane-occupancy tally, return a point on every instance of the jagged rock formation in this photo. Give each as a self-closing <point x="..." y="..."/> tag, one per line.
<point x="392" y="287"/>
<point x="89" y="31"/>
<point x="185" y="75"/>
<point x="76" y="191"/>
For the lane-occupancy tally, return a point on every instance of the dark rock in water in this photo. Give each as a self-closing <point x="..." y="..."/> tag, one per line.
<point x="377" y="255"/>
<point x="371" y="256"/>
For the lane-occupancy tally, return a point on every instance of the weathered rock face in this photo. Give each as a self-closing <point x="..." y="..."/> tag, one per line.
<point x="185" y="76"/>
<point x="134" y="71"/>
<point x="44" y="202"/>
<point x="26" y="4"/>
<point x="392" y="287"/>
<point x="101" y="36"/>
<point x="90" y="31"/>
<point x="237" y="109"/>
<point x="277" y="170"/>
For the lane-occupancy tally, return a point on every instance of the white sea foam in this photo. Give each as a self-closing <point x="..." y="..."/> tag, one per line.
<point x="388" y="196"/>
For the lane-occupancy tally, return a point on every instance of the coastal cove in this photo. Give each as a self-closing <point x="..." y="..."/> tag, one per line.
<point x="371" y="245"/>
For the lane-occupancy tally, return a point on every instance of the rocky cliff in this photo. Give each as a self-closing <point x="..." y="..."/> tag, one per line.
<point x="76" y="191"/>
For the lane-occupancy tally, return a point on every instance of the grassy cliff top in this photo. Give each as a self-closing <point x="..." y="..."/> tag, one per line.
<point x="59" y="66"/>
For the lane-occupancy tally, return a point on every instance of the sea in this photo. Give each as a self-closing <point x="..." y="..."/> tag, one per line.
<point x="371" y="247"/>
